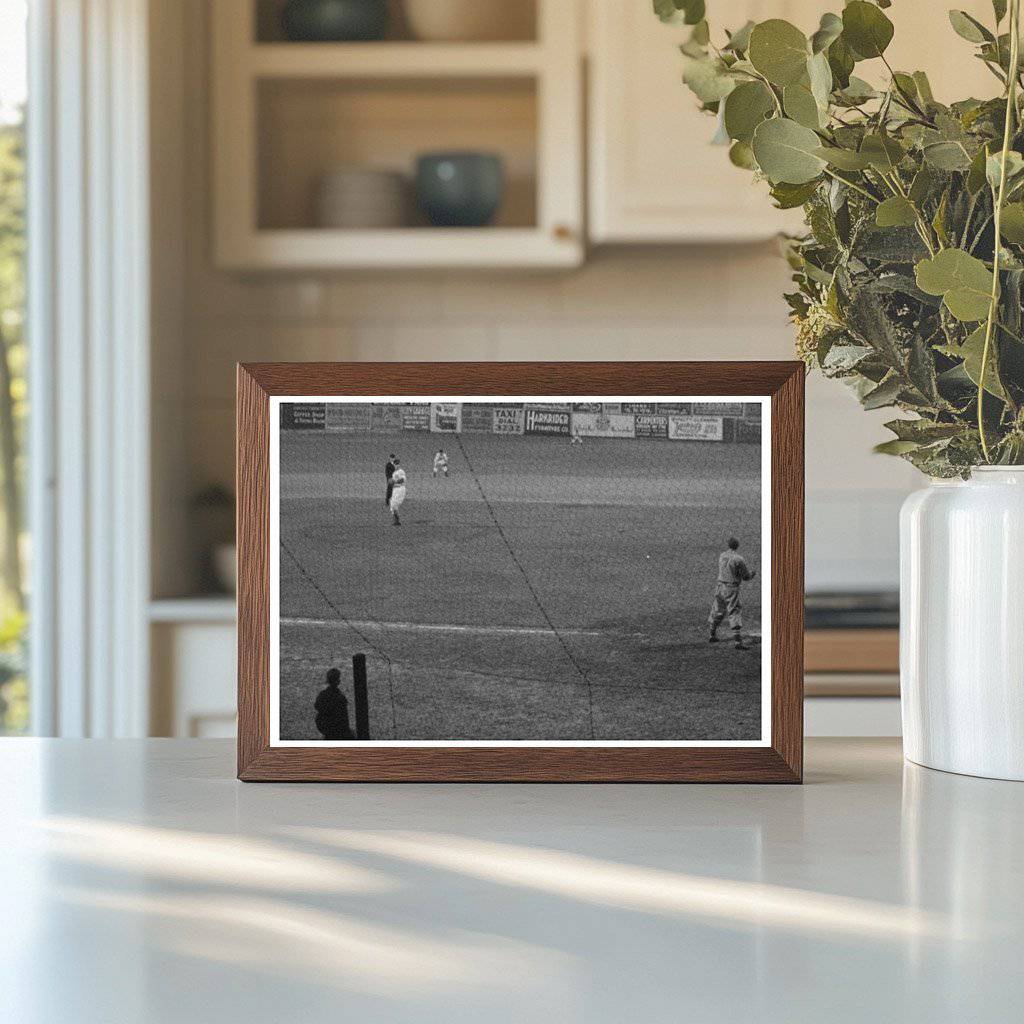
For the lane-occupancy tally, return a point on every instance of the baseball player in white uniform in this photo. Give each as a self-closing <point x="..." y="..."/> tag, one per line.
<point x="397" y="492"/>
<point x="732" y="571"/>
<point x="441" y="462"/>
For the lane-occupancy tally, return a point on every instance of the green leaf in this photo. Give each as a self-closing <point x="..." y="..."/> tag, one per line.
<point x="921" y="369"/>
<point x="963" y="281"/>
<point x="947" y="156"/>
<point x="690" y="12"/>
<point x="801" y="106"/>
<point x="741" y="155"/>
<point x="788" y="197"/>
<point x="895" y="447"/>
<point x="1012" y="224"/>
<point x="993" y="167"/>
<point x="999" y="9"/>
<point x="666" y="10"/>
<point x="971" y="351"/>
<point x="866" y="29"/>
<point x="922" y="185"/>
<point x="819" y="74"/>
<point x="844" y="159"/>
<point x="745" y="108"/>
<point x="939" y="220"/>
<point x="779" y="51"/>
<point x="883" y="152"/>
<point x="787" y="152"/>
<point x="739" y="41"/>
<point x="905" y="84"/>
<point x="707" y="78"/>
<point x="829" y="30"/>
<point x="924" y="87"/>
<point x="840" y="61"/>
<point x="969" y="28"/>
<point x="976" y="173"/>
<point x="885" y="394"/>
<point x="701" y="34"/>
<point x="895" y="212"/>
<point x="923" y="431"/>
<point x="857" y="91"/>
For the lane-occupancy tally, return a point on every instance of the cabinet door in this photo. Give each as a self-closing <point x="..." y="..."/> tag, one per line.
<point x="654" y="176"/>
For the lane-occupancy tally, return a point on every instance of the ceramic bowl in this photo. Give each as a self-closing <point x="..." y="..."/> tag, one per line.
<point x="460" y="189"/>
<point x="333" y="21"/>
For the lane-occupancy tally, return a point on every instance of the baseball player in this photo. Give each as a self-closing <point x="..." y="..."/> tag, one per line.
<point x="441" y="462"/>
<point x="389" y="471"/>
<point x="732" y="571"/>
<point x="397" y="492"/>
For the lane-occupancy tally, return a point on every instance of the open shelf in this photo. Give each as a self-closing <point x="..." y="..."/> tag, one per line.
<point x="390" y="60"/>
<point x="309" y="127"/>
<point x="286" y="114"/>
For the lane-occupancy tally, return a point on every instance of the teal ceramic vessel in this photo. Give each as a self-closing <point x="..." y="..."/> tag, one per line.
<point x="334" y="21"/>
<point x="460" y="189"/>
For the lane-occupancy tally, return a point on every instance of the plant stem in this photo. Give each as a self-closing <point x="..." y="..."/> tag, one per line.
<point x="853" y="185"/>
<point x="1011" y="109"/>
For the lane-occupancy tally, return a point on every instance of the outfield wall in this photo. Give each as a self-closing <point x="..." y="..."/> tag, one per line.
<point x="699" y="422"/>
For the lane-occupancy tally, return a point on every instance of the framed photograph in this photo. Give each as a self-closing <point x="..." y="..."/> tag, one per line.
<point x="520" y="572"/>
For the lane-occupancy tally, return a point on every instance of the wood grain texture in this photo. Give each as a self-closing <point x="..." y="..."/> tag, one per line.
<point x="852" y="650"/>
<point x="781" y="762"/>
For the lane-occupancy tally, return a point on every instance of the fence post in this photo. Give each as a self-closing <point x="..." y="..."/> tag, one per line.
<point x="362" y="700"/>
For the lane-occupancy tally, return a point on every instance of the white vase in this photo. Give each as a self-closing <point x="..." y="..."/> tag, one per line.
<point x="962" y="624"/>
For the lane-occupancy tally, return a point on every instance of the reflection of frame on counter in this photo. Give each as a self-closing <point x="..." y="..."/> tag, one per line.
<point x="584" y="454"/>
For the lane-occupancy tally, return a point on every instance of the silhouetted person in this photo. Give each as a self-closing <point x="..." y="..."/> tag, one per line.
<point x="389" y="472"/>
<point x="331" y="708"/>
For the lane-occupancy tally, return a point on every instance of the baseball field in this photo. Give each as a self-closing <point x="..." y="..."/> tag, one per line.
<point x="542" y="591"/>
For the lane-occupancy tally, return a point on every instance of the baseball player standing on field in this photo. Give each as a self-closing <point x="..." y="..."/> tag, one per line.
<point x="732" y="571"/>
<point x="397" y="492"/>
<point x="389" y="470"/>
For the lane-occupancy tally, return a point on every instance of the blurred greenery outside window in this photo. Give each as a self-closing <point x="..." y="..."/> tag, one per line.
<point x="14" y="538"/>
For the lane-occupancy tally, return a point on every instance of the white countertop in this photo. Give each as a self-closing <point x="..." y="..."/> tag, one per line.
<point x="140" y="882"/>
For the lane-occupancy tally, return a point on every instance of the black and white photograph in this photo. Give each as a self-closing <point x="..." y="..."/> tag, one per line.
<point x="454" y="570"/>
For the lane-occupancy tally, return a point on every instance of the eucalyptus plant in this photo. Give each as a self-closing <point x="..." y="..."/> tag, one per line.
<point x="910" y="277"/>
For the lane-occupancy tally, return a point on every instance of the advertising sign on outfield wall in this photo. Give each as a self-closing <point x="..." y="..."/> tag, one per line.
<point x="652" y="426"/>
<point x="302" y="416"/>
<point x="477" y="417"/>
<point x="446" y="417"/>
<point x="718" y="408"/>
<point x="348" y="418"/>
<point x="695" y="428"/>
<point x="415" y="417"/>
<point x="386" y="417"/>
<point x="546" y="421"/>
<point x="643" y="408"/>
<point x="599" y="424"/>
<point x="507" y="421"/>
<point x="586" y="406"/>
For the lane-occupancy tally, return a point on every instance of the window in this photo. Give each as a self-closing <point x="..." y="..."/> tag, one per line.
<point x="14" y="548"/>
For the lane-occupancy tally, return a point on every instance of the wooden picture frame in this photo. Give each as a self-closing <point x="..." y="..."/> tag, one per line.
<point x="779" y="757"/>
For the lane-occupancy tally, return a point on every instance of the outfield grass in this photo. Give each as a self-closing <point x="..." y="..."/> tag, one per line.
<point x="614" y="542"/>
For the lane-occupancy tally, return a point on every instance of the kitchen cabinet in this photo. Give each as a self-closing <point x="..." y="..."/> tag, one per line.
<point x="286" y="114"/>
<point x="654" y="177"/>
